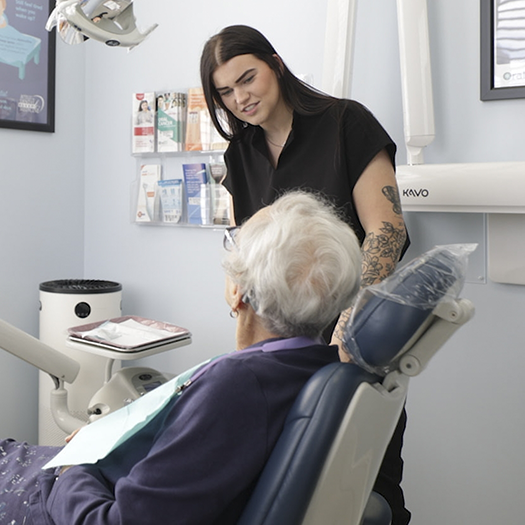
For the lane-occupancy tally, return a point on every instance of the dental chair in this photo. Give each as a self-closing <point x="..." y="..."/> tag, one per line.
<point x="327" y="458"/>
<point x="326" y="461"/>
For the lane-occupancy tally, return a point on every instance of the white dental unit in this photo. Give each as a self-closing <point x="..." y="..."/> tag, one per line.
<point x="496" y="189"/>
<point x="120" y="388"/>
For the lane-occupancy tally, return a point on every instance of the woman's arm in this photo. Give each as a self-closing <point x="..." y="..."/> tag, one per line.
<point x="376" y="199"/>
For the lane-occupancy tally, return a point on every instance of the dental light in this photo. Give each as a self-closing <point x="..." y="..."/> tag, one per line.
<point x="108" y="21"/>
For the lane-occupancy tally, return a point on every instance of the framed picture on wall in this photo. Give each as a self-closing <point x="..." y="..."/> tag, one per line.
<point x="27" y="65"/>
<point x="502" y="49"/>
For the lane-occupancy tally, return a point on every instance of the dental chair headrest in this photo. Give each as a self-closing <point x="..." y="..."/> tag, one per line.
<point x="388" y="315"/>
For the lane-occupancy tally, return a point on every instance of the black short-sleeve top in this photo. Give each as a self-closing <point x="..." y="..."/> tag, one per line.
<point x="325" y="153"/>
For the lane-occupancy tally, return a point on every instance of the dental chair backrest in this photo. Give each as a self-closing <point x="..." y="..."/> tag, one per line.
<point x="325" y="463"/>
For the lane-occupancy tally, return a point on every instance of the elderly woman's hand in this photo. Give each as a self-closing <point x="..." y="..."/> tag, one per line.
<point x="72" y="435"/>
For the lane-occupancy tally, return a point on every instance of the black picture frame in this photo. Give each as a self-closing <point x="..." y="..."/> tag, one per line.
<point x="488" y="89"/>
<point x="27" y="66"/>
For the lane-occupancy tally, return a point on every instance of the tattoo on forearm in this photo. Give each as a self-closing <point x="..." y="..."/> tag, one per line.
<point x="391" y="193"/>
<point x="381" y="252"/>
<point x="339" y="329"/>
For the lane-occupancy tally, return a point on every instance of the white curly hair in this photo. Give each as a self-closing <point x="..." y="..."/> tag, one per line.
<point x="297" y="263"/>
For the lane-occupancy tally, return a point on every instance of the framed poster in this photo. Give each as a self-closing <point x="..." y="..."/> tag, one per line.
<point x="27" y="65"/>
<point x="502" y="49"/>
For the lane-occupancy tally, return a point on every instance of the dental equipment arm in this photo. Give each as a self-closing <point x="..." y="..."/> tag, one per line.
<point x="28" y="348"/>
<point x="59" y="366"/>
<point x="416" y="77"/>
<point x="112" y="22"/>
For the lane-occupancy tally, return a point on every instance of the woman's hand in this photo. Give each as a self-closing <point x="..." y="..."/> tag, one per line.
<point x="72" y="435"/>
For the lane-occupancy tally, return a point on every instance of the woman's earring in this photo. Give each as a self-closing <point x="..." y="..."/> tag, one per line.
<point x="234" y="314"/>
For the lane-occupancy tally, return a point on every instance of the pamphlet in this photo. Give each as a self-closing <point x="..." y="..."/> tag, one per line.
<point x="195" y="178"/>
<point x="217" y="142"/>
<point x="171" y="200"/>
<point x="171" y="118"/>
<point x="147" y="194"/>
<point x="198" y="124"/>
<point x="143" y="137"/>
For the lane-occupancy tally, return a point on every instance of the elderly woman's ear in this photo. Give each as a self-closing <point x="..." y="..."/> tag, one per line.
<point x="233" y="295"/>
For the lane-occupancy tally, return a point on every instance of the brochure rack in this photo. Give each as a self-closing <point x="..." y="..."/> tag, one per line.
<point x="160" y="194"/>
<point x="180" y="162"/>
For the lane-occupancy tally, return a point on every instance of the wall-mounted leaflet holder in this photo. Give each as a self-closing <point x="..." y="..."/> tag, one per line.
<point x="172" y="121"/>
<point x="178" y="191"/>
<point x="180" y="161"/>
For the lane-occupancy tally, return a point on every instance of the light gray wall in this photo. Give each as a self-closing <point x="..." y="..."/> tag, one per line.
<point x="42" y="230"/>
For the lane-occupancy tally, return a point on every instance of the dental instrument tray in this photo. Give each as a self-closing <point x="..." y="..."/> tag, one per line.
<point x="128" y="334"/>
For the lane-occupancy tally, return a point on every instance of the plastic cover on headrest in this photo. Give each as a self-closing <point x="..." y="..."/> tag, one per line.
<point x="386" y="316"/>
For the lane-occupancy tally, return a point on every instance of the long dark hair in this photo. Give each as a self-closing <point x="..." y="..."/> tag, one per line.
<point x="243" y="40"/>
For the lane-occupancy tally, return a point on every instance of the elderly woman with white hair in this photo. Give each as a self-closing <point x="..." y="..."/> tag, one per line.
<point x="290" y="269"/>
